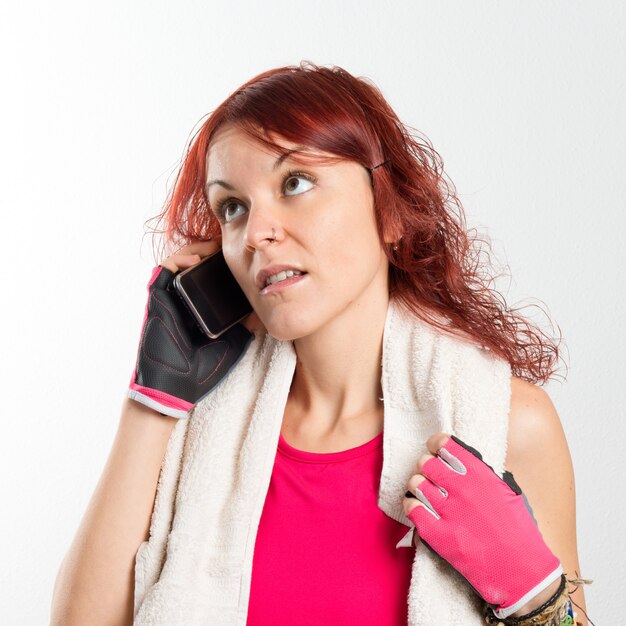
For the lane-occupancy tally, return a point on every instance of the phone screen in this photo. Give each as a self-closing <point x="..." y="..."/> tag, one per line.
<point x="213" y="295"/>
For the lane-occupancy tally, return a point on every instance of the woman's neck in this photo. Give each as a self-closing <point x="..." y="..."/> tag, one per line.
<point x="338" y="370"/>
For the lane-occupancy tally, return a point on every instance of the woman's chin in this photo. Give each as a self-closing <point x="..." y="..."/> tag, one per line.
<point x="287" y="332"/>
<point x="283" y="334"/>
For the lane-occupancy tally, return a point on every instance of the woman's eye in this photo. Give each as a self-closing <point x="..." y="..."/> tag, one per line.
<point x="222" y="210"/>
<point x="295" y="177"/>
<point x="290" y="183"/>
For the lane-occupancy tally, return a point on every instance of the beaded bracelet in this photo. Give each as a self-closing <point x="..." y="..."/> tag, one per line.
<point x="555" y="611"/>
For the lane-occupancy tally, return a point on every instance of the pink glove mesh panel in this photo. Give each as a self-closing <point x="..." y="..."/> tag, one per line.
<point x="483" y="529"/>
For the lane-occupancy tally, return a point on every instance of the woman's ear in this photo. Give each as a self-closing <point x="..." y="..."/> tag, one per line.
<point x="392" y="233"/>
<point x="392" y="236"/>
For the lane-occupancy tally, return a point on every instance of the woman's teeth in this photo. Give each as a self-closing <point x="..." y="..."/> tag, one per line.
<point x="274" y="278"/>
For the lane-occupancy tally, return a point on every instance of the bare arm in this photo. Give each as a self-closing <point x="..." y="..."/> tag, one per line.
<point x="539" y="458"/>
<point x="95" y="582"/>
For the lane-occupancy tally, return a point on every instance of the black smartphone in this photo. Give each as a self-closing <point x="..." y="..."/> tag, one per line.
<point x="212" y="295"/>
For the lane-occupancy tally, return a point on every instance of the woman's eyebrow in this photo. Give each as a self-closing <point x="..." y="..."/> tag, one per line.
<point x="276" y="165"/>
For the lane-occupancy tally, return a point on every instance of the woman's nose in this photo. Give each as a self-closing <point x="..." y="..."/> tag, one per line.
<point x="262" y="228"/>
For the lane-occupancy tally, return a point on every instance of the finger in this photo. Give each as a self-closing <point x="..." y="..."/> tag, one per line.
<point x="443" y="471"/>
<point x="432" y="490"/>
<point x="420" y="515"/>
<point x="422" y="461"/>
<point x="431" y="475"/>
<point x="437" y="441"/>
<point x="253" y="322"/>
<point x="181" y="262"/>
<point x="429" y="494"/>
<point x="203" y="248"/>
<point x="414" y="480"/>
<point x="195" y="250"/>
<point x="467" y="447"/>
<point x="408" y="504"/>
<point x="473" y="459"/>
<point x="458" y="451"/>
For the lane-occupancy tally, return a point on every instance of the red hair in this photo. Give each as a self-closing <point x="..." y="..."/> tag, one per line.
<point x="436" y="272"/>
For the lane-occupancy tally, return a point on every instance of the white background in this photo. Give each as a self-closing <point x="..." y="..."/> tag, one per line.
<point x="525" y="102"/>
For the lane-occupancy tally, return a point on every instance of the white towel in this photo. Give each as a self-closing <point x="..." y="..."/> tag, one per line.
<point x="196" y="567"/>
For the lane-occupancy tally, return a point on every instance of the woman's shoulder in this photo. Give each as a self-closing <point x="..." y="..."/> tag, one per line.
<point x="532" y="412"/>
<point x="536" y="440"/>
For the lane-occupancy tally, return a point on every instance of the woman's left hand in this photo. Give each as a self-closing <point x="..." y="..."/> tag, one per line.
<point x="480" y="523"/>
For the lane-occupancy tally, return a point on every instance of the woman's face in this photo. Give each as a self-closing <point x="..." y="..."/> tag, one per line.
<point x="324" y="224"/>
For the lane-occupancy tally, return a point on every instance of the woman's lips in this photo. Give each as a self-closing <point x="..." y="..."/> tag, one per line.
<point x="281" y="285"/>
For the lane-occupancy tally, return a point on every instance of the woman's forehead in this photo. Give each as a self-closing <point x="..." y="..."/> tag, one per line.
<point x="233" y="139"/>
<point x="272" y="143"/>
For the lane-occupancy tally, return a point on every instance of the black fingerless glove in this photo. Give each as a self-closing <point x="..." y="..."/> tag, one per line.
<point x="177" y="364"/>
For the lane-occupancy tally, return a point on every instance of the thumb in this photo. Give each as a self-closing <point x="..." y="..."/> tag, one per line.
<point x="253" y="322"/>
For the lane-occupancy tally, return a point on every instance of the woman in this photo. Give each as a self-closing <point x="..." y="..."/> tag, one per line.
<point x="308" y="170"/>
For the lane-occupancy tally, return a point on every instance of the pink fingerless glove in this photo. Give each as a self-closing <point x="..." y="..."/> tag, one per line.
<point x="481" y="525"/>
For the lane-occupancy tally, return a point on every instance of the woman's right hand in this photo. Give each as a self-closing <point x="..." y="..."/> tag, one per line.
<point x="177" y="364"/>
<point x="191" y="255"/>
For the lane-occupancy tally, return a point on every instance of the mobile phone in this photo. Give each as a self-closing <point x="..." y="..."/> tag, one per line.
<point x="212" y="295"/>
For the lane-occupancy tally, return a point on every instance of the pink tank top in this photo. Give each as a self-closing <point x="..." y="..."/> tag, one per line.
<point x="325" y="553"/>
